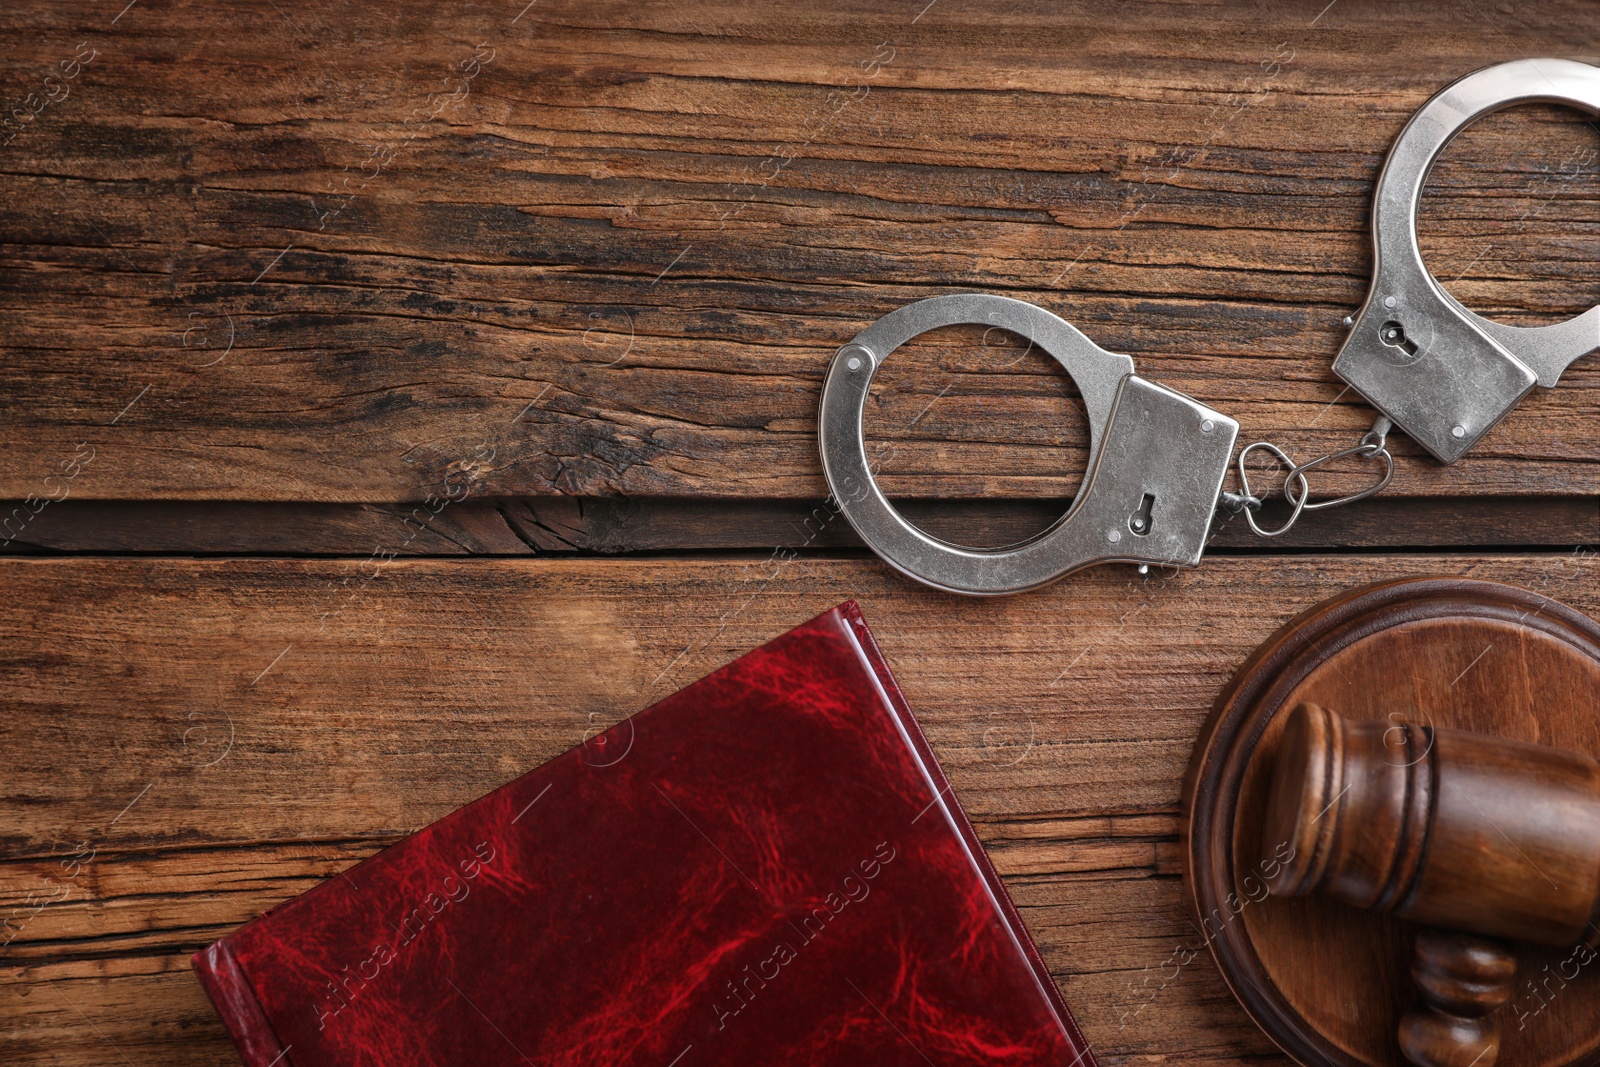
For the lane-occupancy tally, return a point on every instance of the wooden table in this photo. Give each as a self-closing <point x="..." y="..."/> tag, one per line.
<point x="393" y="394"/>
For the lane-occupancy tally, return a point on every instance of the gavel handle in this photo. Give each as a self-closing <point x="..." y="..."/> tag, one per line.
<point x="1462" y="979"/>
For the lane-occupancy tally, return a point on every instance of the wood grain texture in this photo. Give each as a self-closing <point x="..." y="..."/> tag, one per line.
<point x="565" y="277"/>
<point x="222" y="734"/>
<point x="338" y="253"/>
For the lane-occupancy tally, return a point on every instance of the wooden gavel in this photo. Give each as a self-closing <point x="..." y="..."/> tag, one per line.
<point x="1481" y="839"/>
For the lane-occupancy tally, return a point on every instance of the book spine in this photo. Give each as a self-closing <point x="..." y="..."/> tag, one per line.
<point x="857" y="626"/>
<point x="229" y="989"/>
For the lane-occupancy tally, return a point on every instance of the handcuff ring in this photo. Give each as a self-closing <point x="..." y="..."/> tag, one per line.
<point x="1157" y="458"/>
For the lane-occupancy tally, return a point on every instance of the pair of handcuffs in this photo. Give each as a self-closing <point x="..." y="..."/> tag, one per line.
<point x="1157" y="458"/>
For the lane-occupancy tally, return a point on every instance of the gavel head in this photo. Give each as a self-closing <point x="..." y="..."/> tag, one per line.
<point x="1444" y="827"/>
<point x="1488" y="839"/>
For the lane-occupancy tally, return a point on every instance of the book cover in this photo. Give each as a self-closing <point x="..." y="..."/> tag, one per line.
<point x="765" y="867"/>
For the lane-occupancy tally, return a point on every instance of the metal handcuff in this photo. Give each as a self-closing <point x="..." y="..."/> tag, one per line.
<point x="1157" y="459"/>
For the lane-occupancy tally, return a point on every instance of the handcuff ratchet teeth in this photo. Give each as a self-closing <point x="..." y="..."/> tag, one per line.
<point x="1157" y="458"/>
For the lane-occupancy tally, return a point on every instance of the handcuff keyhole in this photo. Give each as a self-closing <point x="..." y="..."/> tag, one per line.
<point x="1394" y="335"/>
<point x="1141" y="521"/>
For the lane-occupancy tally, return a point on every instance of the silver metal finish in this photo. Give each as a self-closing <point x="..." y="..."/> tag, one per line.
<point x="1156" y="459"/>
<point x="1444" y="374"/>
<point x="1373" y="444"/>
<point x="1297" y="487"/>
<point x="1250" y="503"/>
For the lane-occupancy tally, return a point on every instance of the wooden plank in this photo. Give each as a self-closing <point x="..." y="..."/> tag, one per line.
<point x="343" y="254"/>
<point x="224" y="733"/>
<point x="621" y="525"/>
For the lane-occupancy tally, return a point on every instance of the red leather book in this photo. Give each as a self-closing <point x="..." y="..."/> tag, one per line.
<point x="767" y="867"/>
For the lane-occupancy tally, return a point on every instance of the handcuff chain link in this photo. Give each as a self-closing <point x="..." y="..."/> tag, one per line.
<point x="1297" y="487"/>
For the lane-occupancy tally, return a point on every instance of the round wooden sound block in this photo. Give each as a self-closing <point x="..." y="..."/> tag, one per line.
<point x="1329" y="982"/>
